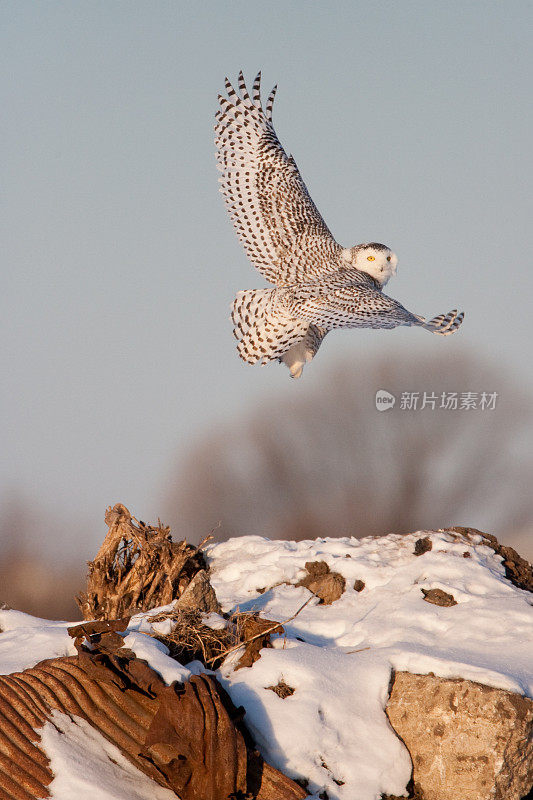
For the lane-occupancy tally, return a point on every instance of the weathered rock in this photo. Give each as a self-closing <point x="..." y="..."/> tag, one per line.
<point x="467" y="741"/>
<point x="199" y="595"/>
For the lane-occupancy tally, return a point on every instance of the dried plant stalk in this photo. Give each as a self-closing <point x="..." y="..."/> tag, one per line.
<point x="138" y="567"/>
<point x="190" y="638"/>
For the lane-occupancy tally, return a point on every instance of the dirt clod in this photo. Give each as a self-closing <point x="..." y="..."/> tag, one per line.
<point x="256" y="633"/>
<point x="326" y="585"/>
<point x="282" y="689"/>
<point x="414" y="793"/>
<point x="359" y="585"/>
<point x="316" y="568"/>
<point x="423" y="546"/>
<point x="438" y="597"/>
<point x="517" y="569"/>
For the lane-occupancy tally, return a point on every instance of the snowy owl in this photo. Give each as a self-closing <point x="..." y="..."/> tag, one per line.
<point x="319" y="284"/>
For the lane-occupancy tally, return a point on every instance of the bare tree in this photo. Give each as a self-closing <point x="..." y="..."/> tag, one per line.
<point x="32" y="578"/>
<point x="325" y="462"/>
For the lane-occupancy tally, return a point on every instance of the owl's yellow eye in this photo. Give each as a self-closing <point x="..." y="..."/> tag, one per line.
<point x="388" y="258"/>
<point x="370" y="258"/>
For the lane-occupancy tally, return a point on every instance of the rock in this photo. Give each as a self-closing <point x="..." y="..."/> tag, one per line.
<point x="359" y="585"/>
<point x="467" y="741"/>
<point x="199" y="595"/>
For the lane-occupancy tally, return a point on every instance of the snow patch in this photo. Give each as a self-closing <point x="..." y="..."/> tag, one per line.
<point x="88" y="767"/>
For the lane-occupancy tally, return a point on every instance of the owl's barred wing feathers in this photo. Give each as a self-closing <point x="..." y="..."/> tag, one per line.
<point x="280" y="227"/>
<point x="360" y="307"/>
<point x="351" y="307"/>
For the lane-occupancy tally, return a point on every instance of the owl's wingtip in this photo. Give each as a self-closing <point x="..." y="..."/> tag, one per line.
<point x="445" y="324"/>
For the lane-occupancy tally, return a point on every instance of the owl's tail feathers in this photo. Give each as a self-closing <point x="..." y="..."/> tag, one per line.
<point x="445" y="324"/>
<point x="263" y="333"/>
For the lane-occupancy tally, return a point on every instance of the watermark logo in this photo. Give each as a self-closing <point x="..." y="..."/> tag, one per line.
<point x="384" y="400"/>
<point x="448" y="401"/>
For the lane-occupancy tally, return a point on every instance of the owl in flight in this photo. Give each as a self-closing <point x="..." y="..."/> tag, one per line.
<point x="319" y="285"/>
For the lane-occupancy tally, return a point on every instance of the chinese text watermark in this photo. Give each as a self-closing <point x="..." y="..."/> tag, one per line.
<point x="448" y="401"/>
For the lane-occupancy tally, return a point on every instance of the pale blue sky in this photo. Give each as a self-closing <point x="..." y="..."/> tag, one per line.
<point x="410" y="122"/>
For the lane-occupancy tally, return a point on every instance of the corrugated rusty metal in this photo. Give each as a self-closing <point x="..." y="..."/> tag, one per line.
<point x="183" y="737"/>
<point x="26" y="699"/>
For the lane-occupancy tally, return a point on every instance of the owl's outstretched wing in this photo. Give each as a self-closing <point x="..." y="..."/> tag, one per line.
<point x="280" y="227"/>
<point x="367" y="308"/>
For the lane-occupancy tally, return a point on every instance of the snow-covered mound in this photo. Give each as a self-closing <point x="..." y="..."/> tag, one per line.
<point x="338" y="658"/>
<point x="335" y="661"/>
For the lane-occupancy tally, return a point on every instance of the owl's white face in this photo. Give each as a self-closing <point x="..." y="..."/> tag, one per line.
<point x="376" y="260"/>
